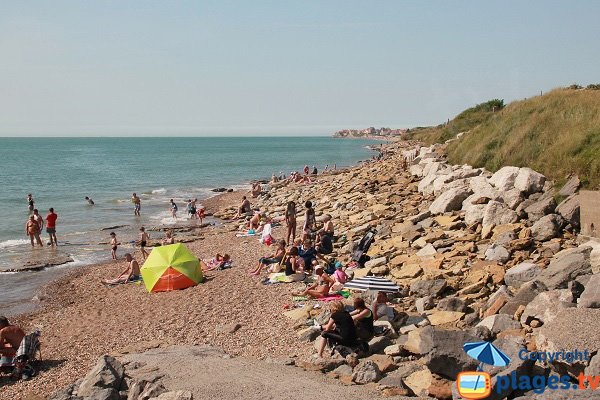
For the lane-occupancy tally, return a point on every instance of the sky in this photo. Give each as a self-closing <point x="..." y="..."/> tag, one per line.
<point x="212" y="68"/>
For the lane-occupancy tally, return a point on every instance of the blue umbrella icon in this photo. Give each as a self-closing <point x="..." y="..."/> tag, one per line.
<point x="486" y="353"/>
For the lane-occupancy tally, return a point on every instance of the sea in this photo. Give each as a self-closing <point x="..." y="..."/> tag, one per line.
<point x="61" y="172"/>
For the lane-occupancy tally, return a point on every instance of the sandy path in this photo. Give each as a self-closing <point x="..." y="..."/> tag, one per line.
<point x="208" y="375"/>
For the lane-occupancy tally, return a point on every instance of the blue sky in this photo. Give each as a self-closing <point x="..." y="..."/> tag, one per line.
<point x="279" y="67"/>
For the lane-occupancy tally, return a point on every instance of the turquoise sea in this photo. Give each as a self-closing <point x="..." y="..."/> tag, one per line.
<point x="60" y="172"/>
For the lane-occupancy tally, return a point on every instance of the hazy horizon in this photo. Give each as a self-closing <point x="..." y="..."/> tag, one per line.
<point x="273" y="68"/>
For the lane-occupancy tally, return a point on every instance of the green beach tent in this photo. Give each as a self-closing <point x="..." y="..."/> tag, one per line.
<point x="171" y="267"/>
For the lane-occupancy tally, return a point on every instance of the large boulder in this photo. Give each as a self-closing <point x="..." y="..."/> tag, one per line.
<point x="366" y="372"/>
<point x="544" y="206"/>
<point x="571" y="187"/>
<point x="524" y="296"/>
<point x="496" y="213"/>
<point x="546" y="306"/>
<point x="452" y="304"/>
<point x="106" y="377"/>
<point x="424" y="288"/>
<point x="566" y="266"/>
<point x="504" y="178"/>
<point x="512" y="198"/>
<point x="521" y="273"/>
<point x="529" y="181"/>
<point x="547" y="227"/>
<point x="499" y="322"/>
<point x="497" y="253"/>
<point x="590" y="298"/>
<point x="450" y="200"/>
<point x="447" y="357"/>
<point x="572" y="329"/>
<point x="474" y="213"/>
<point x="569" y="210"/>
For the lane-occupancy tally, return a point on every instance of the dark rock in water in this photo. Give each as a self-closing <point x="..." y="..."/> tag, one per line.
<point x="229" y="190"/>
<point x="110" y="228"/>
<point x="39" y="261"/>
<point x="219" y="190"/>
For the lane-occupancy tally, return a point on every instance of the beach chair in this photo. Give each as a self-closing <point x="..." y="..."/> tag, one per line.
<point x="359" y="255"/>
<point x="26" y="355"/>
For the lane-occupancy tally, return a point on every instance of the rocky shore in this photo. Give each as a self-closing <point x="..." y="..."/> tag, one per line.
<point x="479" y="256"/>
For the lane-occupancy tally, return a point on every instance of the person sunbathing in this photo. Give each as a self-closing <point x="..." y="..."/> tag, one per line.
<point x="131" y="273"/>
<point x="244" y="208"/>
<point x="254" y="222"/>
<point x="10" y="338"/>
<point x="274" y="258"/>
<point x="339" y="330"/>
<point x="363" y="319"/>
<point x="320" y="288"/>
<point x="217" y="262"/>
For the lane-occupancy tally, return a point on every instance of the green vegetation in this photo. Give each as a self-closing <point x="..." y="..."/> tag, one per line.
<point x="556" y="134"/>
<point x="463" y="122"/>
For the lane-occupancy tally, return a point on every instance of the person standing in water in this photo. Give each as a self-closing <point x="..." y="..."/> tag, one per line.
<point x="32" y="229"/>
<point x="173" y="208"/>
<point x="38" y="218"/>
<point x="113" y="245"/>
<point x="137" y="204"/>
<point x="30" y="203"/>
<point x="51" y="226"/>
<point x="90" y="201"/>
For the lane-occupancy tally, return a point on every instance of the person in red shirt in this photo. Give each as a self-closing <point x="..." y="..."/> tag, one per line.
<point x="51" y="226"/>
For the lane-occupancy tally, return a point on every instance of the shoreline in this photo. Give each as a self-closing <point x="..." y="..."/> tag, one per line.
<point x="46" y="262"/>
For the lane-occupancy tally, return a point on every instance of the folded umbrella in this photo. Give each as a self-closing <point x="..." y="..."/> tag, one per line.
<point x="372" y="283"/>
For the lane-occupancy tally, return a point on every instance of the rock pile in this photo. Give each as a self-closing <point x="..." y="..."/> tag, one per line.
<point x="479" y="256"/>
<point x="111" y="380"/>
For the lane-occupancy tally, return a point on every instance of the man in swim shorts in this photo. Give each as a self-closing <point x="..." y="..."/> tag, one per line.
<point x="137" y="204"/>
<point x="51" y="226"/>
<point x="131" y="273"/>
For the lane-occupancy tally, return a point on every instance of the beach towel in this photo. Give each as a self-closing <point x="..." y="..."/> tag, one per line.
<point x="299" y="298"/>
<point x="331" y="297"/>
<point x="280" y="277"/>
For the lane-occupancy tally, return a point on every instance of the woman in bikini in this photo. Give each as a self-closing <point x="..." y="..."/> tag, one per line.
<point x="290" y="220"/>
<point x="320" y="288"/>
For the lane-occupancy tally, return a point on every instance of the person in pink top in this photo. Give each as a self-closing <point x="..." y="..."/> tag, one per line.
<point x="339" y="276"/>
<point x="51" y="226"/>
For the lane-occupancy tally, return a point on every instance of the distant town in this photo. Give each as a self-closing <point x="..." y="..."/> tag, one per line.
<point x="369" y="132"/>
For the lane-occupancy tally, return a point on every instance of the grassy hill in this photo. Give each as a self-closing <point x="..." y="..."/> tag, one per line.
<point x="556" y="134"/>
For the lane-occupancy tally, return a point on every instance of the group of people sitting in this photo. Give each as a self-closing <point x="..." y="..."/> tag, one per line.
<point x="348" y="328"/>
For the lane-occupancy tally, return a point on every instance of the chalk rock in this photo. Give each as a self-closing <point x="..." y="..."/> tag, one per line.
<point x="547" y="227"/>
<point x="499" y="322"/>
<point x="521" y="273"/>
<point x="497" y="253"/>
<point x="427" y="251"/>
<point x="366" y="372"/>
<point x="571" y="187"/>
<point x="107" y="374"/>
<point x="452" y="304"/>
<point x="497" y="213"/>
<point x="512" y="198"/>
<point x="546" y="305"/>
<point x="428" y="287"/>
<point x="376" y="262"/>
<point x="590" y="298"/>
<point x="540" y="208"/>
<point x="424" y="303"/>
<point x="474" y="213"/>
<point x="529" y="181"/>
<point x="565" y="266"/>
<point x="504" y="178"/>
<point x="569" y="210"/>
<point x="450" y="200"/>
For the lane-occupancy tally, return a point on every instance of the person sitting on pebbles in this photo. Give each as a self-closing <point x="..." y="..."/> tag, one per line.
<point x="340" y="328"/>
<point x="168" y="239"/>
<point x="320" y="288"/>
<point x="363" y="319"/>
<point x="217" y="262"/>
<point x="131" y="273"/>
<point x="274" y="258"/>
<point x="244" y="208"/>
